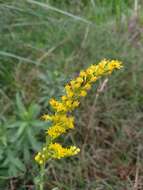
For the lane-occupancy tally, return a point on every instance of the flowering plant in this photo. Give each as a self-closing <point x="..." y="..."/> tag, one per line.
<point x="61" y="120"/>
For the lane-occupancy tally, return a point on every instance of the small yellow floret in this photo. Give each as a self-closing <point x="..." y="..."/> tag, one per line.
<point x="79" y="79"/>
<point x="87" y="87"/>
<point x="83" y="93"/>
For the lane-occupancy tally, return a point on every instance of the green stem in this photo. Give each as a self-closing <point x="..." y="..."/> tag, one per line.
<point x="42" y="175"/>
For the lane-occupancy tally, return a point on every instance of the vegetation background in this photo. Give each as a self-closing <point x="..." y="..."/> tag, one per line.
<point x="45" y="43"/>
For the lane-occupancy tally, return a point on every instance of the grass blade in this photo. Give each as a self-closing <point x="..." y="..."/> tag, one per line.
<point x="46" y="6"/>
<point x="7" y="54"/>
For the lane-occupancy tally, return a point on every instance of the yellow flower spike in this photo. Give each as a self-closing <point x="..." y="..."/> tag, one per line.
<point x="61" y="121"/>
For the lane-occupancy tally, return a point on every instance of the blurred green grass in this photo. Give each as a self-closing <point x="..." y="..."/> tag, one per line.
<point x="40" y="50"/>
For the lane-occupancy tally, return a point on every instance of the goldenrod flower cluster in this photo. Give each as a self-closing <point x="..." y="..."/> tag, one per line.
<point x="60" y="123"/>
<point x="55" y="150"/>
<point x="60" y="120"/>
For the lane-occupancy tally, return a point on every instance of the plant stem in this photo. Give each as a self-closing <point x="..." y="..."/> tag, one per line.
<point x="42" y="174"/>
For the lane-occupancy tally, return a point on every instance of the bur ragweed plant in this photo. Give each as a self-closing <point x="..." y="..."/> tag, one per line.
<point x="61" y="120"/>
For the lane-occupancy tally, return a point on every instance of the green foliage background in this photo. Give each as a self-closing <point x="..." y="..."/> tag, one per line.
<point x="42" y="48"/>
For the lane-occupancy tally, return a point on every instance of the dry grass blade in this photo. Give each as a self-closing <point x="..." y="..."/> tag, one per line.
<point x="93" y="108"/>
<point x="137" y="181"/>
